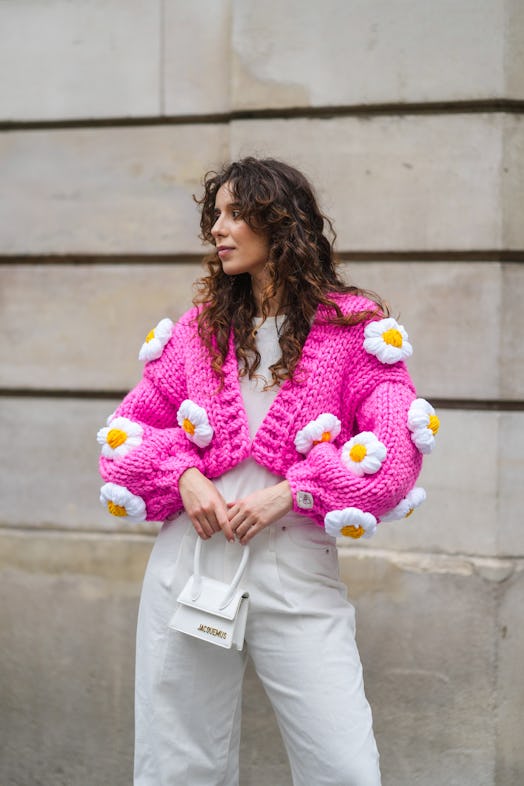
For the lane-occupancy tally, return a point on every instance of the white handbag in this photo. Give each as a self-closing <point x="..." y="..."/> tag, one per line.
<point x="212" y="610"/>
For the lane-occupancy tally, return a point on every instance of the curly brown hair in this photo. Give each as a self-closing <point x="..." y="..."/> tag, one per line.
<point x="276" y="199"/>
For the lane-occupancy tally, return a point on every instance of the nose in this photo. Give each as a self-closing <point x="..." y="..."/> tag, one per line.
<point x="219" y="229"/>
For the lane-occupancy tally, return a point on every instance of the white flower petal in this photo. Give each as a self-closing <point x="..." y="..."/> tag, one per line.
<point x="424" y="424"/>
<point x="363" y="454"/>
<point x="120" y="502"/>
<point x="419" y="413"/>
<point x="156" y="340"/>
<point x="325" y="428"/>
<point x="203" y="435"/>
<point x="406" y="506"/>
<point x="350" y="522"/>
<point x="424" y="440"/>
<point x="387" y="340"/>
<point x="194" y="421"/>
<point x="120" y="437"/>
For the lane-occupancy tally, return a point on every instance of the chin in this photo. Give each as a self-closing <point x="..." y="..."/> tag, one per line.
<point x="232" y="270"/>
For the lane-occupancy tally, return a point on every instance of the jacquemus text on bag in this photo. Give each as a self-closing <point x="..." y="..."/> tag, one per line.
<point x="212" y="610"/>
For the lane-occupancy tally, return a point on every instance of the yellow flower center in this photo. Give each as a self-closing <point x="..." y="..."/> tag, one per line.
<point x="150" y="336"/>
<point x="408" y="514"/>
<point x="116" y="437"/>
<point x="350" y="531"/>
<point x="434" y="424"/>
<point x="326" y="436"/>
<point x="393" y="337"/>
<point x="116" y="510"/>
<point x="188" y="426"/>
<point x="358" y="453"/>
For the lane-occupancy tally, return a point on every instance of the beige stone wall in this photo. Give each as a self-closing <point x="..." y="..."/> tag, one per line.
<point x="408" y="115"/>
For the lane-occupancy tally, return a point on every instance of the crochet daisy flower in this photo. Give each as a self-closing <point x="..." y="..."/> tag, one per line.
<point x="424" y="424"/>
<point x="387" y="340"/>
<point x="325" y="428"/>
<point x="363" y="454"/>
<point x="193" y="419"/>
<point x="119" y="437"/>
<point x="406" y="506"/>
<point x="156" y="340"/>
<point x="350" y="523"/>
<point x="120" y="502"/>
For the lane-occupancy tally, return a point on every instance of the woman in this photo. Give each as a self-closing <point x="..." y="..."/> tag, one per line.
<point x="278" y="412"/>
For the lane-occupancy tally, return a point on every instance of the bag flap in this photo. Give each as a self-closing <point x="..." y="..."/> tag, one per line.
<point x="211" y="596"/>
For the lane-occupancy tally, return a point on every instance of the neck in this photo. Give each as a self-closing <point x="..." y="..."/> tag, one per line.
<point x="258" y="284"/>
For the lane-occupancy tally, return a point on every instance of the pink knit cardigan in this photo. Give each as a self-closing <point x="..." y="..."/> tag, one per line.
<point x="335" y="375"/>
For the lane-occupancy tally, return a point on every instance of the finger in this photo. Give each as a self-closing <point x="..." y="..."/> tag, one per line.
<point x="213" y="523"/>
<point x="199" y="531"/>
<point x="245" y="526"/>
<point x="224" y="524"/>
<point x="240" y="518"/>
<point x="227" y="529"/>
<point x="249" y="535"/>
<point x="205" y="526"/>
<point x="232" y="512"/>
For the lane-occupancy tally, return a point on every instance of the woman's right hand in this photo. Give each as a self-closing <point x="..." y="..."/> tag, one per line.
<point x="204" y="505"/>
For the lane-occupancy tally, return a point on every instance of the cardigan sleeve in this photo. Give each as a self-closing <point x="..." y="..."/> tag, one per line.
<point x="368" y="471"/>
<point x="144" y="449"/>
<point x="331" y="486"/>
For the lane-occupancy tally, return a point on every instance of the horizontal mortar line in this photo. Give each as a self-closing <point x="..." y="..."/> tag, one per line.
<point x="496" y="405"/>
<point x="498" y="105"/>
<point x="52" y="530"/>
<point x="435" y="556"/>
<point x="102" y="259"/>
<point x="447" y="255"/>
<point x="493" y="405"/>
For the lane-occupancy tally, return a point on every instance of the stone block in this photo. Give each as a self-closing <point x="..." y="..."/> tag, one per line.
<point x="514" y="10"/>
<point x="196" y="56"/>
<point x="403" y="183"/>
<point x="510" y="647"/>
<point x="61" y="60"/>
<point x="67" y="638"/>
<point x="461" y="319"/>
<point x="80" y="327"/>
<point x="425" y="630"/>
<point x="474" y="501"/>
<point x="71" y="314"/>
<point x="105" y="190"/>
<point x="513" y="179"/>
<point x="511" y="349"/>
<point x="510" y="469"/>
<point x="49" y="469"/>
<point x="392" y="183"/>
<point x="359" y="53"/>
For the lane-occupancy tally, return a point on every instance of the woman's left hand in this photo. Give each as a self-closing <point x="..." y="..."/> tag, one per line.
<point x="250" y="515"/>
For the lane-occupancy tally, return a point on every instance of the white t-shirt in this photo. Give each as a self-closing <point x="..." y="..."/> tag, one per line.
<point x="249" y="476"/>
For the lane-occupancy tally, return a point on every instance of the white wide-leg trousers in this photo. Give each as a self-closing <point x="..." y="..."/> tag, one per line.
<point x="300" y="635"/>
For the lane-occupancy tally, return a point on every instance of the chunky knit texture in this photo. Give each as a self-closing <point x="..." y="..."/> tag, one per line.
<point x="335" y="374"/>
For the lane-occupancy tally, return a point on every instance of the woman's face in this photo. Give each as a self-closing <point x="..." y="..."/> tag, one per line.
<point x="241" y="250"/>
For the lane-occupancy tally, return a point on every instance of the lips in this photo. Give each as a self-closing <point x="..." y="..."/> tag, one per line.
<point x="224" y="250"/>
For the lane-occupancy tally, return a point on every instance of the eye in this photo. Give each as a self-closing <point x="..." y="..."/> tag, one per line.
<point x="235" y="212"/>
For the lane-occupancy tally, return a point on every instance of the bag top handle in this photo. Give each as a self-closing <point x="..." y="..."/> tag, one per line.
<point x="196" y="588"/>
